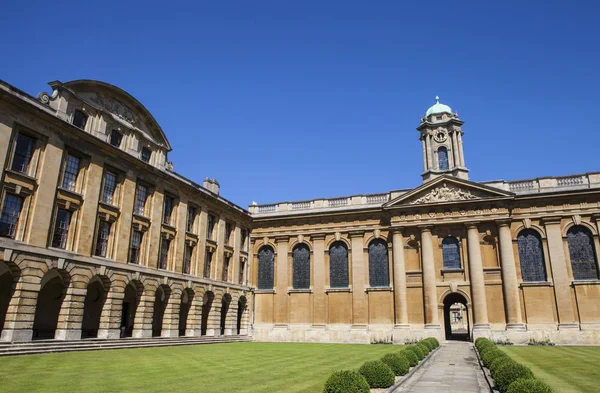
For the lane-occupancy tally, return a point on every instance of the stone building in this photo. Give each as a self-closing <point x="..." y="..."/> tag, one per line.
<point x="521" y="256"/>
<point x="99" y="236"/>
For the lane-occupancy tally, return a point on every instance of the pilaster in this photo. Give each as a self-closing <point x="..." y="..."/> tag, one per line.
<point x="510" y="284"/>
<point x="477" y="278"/>
<point x="319" y="297"/>
<point x="429" y="279"/>
<point x="281" y="281"/>
<point x="359" y="298"/>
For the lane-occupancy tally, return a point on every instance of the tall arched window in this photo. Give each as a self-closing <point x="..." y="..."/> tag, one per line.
<point x="451" y="253"/>
<point x="379" y="272"/>
<point x="443" y="158"/>
<point x="301" y="267"/>
<point x="266" y="267"/>
<point x="338" y="265"/>
<point x="531" y="256"/>
<point x="582" y="253"/>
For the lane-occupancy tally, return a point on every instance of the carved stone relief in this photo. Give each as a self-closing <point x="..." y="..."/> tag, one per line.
<point x="445" y="194"/>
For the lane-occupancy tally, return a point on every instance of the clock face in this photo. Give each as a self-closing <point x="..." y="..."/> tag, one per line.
<point x="440" y="136"/>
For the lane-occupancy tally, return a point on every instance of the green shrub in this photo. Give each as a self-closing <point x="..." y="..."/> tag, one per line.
<point x="434" y="341"/>
<point x="417" y="351"/>
<point x="412" y="357"/>
<point x="398" y="363"/>
<point x="424" y="348"/>
<point x="346" y="382"/>
<point x="499" y="362"/>
<point x="485" y="346"/>
<point x="528" y="385"/>
<point x="377" y="374"/>
<point x="480" y="341"/>
<point x="508" y="373"/>
<point x="428" y="344"/>
<point x="491" y="355"/>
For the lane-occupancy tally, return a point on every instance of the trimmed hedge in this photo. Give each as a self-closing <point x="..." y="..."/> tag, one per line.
<point x="412" y="358"/>
<point x="528" y="385"/>
<point x="433" y="341"/>
<point x="398" y="363"/>
<point x="424" y="348"/>
<point x="346" y="382"/>
<point x="485" y="346"/>
<point x="428" y="344"/>
<point x="499" y="362"/>
<point x="417" y="351"/>
<point x="509" y="373"/>
<point x="377" y="374"/>
<point x="491" y="355"/>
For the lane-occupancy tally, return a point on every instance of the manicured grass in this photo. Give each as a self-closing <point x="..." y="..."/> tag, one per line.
<point x="218" y="368"/>
<point x="565" y="369"/>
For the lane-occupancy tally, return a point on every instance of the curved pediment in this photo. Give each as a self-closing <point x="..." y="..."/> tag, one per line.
<point x="122" y="105"/>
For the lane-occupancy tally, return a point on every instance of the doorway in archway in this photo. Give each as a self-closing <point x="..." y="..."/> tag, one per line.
<point x="456" y="318"/>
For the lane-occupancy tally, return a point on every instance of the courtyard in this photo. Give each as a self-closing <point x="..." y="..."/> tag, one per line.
<point x="236" y="367"/>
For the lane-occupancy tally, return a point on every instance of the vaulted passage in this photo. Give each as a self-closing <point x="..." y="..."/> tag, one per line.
<point x="130" y="303"/>
<point x="456" y="317"/>
<point x="160" y="304"/>
<point x="49" y="302"/>
<point x="224" y="310"/>
<point x="92" y="308"/>
<point x="207" y="302"/>
<point x="184" y="310"/>
<point x="6" y="292"/>
<point x="240" y="313"/>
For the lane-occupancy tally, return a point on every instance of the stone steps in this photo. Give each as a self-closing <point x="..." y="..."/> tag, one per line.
<point x="53" y="346"/>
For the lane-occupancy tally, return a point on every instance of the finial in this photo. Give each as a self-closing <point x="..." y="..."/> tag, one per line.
<point x="437" y="99"/>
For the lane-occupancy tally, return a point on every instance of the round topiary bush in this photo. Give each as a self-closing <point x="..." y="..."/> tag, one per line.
<point x="417" y="351"/>
<point x="499" y="362"/>
<point x="485" y="346"/>
<point x="480" y="341"/>
<point x="399" y="364"/>
<point x="424" y="348"/>
<point x="413" y="359"/>
<point x="528" y="385"/>
<point x="491" y="355"/>
<point x="508" y="373"/>
<point x="428" y="344"/>
<point x="377" y="374"/>
<point x="346" y="382"/>
<point x="433" y="341"/>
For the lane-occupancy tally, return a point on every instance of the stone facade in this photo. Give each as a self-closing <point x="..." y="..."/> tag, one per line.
<point x="100" y="238"/>
<point x="521" y="256"/>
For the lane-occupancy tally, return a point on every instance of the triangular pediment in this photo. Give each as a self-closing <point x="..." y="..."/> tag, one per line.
<point x="447" y="189"/>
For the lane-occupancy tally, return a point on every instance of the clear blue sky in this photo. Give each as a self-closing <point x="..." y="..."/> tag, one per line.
<point x="290" y="100"/>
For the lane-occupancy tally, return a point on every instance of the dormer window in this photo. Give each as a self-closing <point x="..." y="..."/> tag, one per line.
<point x="115" y="138"/>
<point x="79" y="119"/>
<point x="146" y="153"/>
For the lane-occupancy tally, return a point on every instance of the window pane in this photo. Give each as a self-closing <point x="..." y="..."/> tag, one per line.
<point x="110" y="186"/>
<point x="168" y="210"/>
<point x="582" y="253"/>
<point x="207" y="264"/>
<point x="61" y="228"/>
<point x="531" y="256"/>
<point x="187" y="259"/>
<point x="211" y="227"/>
<point x="115" y="138"/>
<point x="164" y="253"/>
<point x="225" y="269"/>
<point x="140" y="202"/>
<point x="379" y="275"/>
<point x="11" y="209"/>
<point x="23" y="154"/>
<point x="241" y="277"/>
<point x="102" y="238"/>
<point x="191" y="217"/>
<point x="71" y="173"/>
<point x="338" y="265"/>
<point x="451" y="253"/>
<point x="228" y="229"/>
<point x="136" y="246"/>
<point x="266" y="265"/>
<point x="301" y="267"/>
<point x="443" y="158"/>
<point x="79" y="119"/>
<point x="146" y="153"/>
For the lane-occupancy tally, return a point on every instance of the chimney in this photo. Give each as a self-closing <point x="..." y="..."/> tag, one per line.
<point x="212" y="185"/>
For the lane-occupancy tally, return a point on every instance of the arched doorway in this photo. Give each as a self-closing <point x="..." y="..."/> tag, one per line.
<point x="49" y="302"/>
<point x="161" y="299"/>
<point x="184" y="310"/>
<point x="92" y="308"/>
<point x="128" y="309"/>
<point x="240" y="313"/>
<point x="7" y="289"/>
<point x="456" y="317"/>
<point x="225" y="302"/>
<point x="207" y="302"/>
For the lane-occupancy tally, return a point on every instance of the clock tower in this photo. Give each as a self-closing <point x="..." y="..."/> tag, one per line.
<point x="441" y="139"/>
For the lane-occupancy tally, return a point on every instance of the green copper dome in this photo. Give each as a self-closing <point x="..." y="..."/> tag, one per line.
<point x="438" y="108"/>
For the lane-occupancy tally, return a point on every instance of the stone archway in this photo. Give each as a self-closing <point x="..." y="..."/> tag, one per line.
<point x="456" y="317"/>
<point x="207" y="303"/>
<point x="7" y="289"/>
<point x="225" y="302"/>
<point x="92" y="308"/>
<point x="161" y="300"/>
<point x="49" y="303"/>
<point x="240" y="314"/>
<point x="131" y="300"/>
<point x="187" y="296"/>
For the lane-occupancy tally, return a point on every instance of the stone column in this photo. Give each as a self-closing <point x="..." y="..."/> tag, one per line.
<point x="170" y="325"/>
<point x="401" y="325"/>
<point x="70" y="317"/>
<point x="359" y="298"/>
<point x="428" y="146"/>
<point x="455" y="153"/>
<point x="510" y="285"/>
<point x="477" y="279"/>
<point x="424" y="154"/>
<point x="110" y="318"/>
<point x="142" y="324"/>
<point x="429" y="279"/>
<point x="319" y="299"/>
<point x="282" y="283"/>
<point x="560" y="274"/>
<point x="460" y="149"/>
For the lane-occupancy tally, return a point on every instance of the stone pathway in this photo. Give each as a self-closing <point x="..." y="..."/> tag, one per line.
<point x="452" y="369"/>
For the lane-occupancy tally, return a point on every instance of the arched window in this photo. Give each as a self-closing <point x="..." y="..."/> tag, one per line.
<point x="582" y="253"/>
<point x="379" y="273"/>
<point x="531" y="256"/>
<point x="443" y="158"/>
<point x="451" y="253"/>
<point x="301" y="267"/>
<point x="338" y="265"/>
<point x="266" y="267"/>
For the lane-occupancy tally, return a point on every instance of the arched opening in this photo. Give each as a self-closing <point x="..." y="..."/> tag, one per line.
<point x="92" y="308"/>
<point x="207" y="302"/>
<point x="130" y="303"/>
<point x="7" y="289"/>
<point x="338" y="265"/>
<point x="266" y="268"/>
<point x="184" y="310"/>
<point x="161" y="299"/>
<point x="379" y="270"/>
<point x="49" y="302"/>
<point x="240" y="313"/>
<point x="456" y="317"/>
<point x="582" y="253"/>
<point x="225" y="302"/>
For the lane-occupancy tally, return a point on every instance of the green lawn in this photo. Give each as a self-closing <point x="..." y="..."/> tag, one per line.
<point x="219" y="368"/>
<point x="566" y="369"/>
